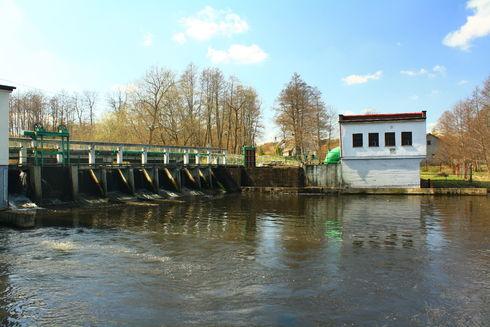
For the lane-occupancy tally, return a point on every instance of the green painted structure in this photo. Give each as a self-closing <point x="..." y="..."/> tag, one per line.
<point x="333" y="156"/>
<point x="38" y="136"/>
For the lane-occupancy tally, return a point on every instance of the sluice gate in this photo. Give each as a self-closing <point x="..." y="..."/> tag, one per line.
<point x="52" y="170"/>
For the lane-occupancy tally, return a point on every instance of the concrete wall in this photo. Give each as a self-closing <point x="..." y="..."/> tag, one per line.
<point x="365" y="173"/>
<point x="417" y="149"/>
<point x="273" y="177"/>
<point x="4" y="146"/>
<point x="3" y="186"/>
<point x="323" y="175"/>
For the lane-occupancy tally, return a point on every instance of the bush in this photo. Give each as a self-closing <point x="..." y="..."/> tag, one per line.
<point x="443" y="174"/>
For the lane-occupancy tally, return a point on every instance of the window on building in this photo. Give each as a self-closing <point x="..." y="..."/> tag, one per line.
<point x="406" y="138"/>
<point x="390" y="139"/>
<point x="357" y="140"/>
<point x="429" y="142"/>
<point x="373" y="139"/>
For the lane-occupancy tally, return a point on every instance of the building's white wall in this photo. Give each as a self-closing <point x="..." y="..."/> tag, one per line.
<point x="417" y="127"/>
<point x="4" y="147"/>
<point x="4" y="128"/>
<point x="366" y="173"/>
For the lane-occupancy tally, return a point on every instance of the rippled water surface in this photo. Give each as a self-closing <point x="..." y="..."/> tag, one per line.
<point x="254" y="260"/>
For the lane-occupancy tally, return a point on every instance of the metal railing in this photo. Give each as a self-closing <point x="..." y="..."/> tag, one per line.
<point x="91" y="152"/>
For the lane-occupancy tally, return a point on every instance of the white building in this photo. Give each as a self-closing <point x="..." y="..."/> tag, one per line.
<point x="4" y="143"/>
<point x="382" y="150"/>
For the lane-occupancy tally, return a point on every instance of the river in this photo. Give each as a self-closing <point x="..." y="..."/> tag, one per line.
<point x="253" y="260"/>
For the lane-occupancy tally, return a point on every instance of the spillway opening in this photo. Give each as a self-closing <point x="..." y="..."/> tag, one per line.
<point x="56" y="184"/>
<point x="90" y="183"/>
<point x="117" y="182"/>
<point x="168" y="181"/>
<point x="143" y="180"/>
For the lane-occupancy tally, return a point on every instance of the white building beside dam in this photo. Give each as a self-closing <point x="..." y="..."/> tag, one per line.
<point x="4" y="143"/>
<point x="382" y="150"/>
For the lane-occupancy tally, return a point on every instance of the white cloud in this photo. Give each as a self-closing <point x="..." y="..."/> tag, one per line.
<point x="476" y="26"/>
<point x="421" y="71"/>
<point x="210" y="22"/>
<point x="437" y="70"/>
<point x="361" y="79"/>
<point x="148" y="40"/>
<point x="463" y="82"/>
<point x="179" y="38"/>
<point x="434" y="92"/>
<point x="238" y="53"/>
<point x="414" y="97"/>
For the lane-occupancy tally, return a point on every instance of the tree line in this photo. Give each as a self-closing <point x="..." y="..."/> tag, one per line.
<point x="464" y="131"/>
<point x="76" y="110"/>
<point x="194" y="108"/>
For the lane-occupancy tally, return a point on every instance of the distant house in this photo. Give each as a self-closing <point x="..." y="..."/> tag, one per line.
<point x="288" y="148"/>
<point x="382" y="150"/>
<point x="433" y="143"/>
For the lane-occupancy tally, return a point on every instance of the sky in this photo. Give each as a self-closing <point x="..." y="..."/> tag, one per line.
<point x="382" y="56"/>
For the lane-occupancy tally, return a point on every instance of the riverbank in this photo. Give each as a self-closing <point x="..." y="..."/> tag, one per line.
<point x="373" y="191"/>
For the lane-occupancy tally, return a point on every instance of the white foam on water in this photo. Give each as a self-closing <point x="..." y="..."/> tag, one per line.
<point x="59" y="245"/>
<point x="19" y="202"/>
<point x="170" y="193"/>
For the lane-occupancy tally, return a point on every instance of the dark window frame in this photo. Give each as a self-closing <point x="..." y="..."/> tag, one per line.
<point x="355" y="142"/>
<point x="392" y="136"/>
<point x="407" y="138"/>
<point x="373" y="140"/>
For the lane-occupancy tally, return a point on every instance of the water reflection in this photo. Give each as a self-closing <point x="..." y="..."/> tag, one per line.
<point x="254" y="260"/>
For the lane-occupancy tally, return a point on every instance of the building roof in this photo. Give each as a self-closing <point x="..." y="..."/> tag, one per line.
<point x="7" y="88"/>
<point x="382" y="117"/>
<point x="433" y="135"/>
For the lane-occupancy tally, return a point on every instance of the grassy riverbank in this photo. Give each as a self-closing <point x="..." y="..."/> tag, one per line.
<point x="445" y="178"/>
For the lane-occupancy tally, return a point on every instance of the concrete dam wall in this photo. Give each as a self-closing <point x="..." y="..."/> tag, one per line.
<point x="52" y="185"/>
<point x="327" y="176"/>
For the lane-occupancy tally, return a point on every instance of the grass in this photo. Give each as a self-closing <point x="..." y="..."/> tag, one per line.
<point x="265" y="160"/>
<point x="445" y="178"/>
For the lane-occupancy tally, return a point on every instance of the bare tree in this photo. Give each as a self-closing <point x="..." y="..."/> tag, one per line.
<point x="151" y="98"/>
<point x="465" y="132"/>
<point x="301" y="114"/>
<point x="89" y="101"/>
<point x="191" y="105"/>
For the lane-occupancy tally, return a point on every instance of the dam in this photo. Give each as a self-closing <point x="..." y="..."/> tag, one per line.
<point x="48" y="167"/>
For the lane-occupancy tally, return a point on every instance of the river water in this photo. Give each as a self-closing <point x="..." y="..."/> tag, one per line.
<point x="253" y="260"/>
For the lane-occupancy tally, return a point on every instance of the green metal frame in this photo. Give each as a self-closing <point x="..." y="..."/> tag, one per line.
<point x="39" y="134"/>
<point x="244" y="151"/>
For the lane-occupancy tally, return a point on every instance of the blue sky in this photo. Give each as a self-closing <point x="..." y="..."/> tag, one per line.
<point x="386" y="56"/>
